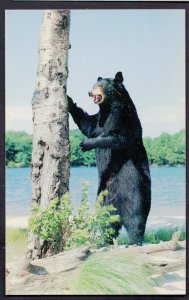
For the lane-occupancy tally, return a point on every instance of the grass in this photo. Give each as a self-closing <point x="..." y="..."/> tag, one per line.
<point x="113" y="273"/>
<point x="163" y="234"/>
<point x="155" y="236"/>
<point x="16" y="242"/>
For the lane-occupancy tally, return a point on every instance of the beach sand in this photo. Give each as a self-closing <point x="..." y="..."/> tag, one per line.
<point x="17" y="222"/>
<point x="153" y="222"/>
<point x="174" y="283"/>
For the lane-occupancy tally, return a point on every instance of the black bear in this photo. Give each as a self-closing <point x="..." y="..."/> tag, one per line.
<point x="115" y="133"/>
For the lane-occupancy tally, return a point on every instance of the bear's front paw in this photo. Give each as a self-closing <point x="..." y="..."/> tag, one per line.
<point x="85" y="146"/>
<point x="69" y="99"/>
<point x="70" y="103"/>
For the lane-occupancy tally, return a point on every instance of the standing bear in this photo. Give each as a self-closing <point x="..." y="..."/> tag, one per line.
<point x="115" y="133"/>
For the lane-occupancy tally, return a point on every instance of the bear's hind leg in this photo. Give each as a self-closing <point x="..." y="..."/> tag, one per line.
<point x="136" y="230"/>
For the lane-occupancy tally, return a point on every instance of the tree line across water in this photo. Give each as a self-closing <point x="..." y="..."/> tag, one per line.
<point x="167" y="149"/>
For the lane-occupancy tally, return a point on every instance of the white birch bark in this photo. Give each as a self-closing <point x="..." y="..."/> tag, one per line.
<point x="50" y="156"/>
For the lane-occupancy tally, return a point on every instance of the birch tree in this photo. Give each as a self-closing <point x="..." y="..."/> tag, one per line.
<point x="50" y="156"/>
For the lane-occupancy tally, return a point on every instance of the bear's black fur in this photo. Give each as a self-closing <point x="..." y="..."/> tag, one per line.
<point x="115" y="133"/>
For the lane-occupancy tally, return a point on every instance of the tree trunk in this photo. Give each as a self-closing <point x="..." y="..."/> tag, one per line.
<point x="50" y="156"/>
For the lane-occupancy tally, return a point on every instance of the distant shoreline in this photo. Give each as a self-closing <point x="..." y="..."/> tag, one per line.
<point x="166" y="149"/>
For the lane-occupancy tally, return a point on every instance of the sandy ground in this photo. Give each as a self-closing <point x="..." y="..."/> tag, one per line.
<point x="166" y="283"/>
<point x="17" y="222"/>
<point x="173" y="283"/>
<point x="153" y="222"/>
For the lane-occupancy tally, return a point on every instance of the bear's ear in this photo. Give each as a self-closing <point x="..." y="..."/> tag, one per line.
<point x="119" y="77"/>
<point x="99" y="78"/>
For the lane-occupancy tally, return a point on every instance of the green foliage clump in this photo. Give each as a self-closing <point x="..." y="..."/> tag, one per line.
<point x="53" y="224"/>
<point x="97" y="228"/>
<point x="80" y="222"/>
<point x="57" y="225"/>
<point x="167" y="149"/>
<point x="18" y="148"/>
<point x="102" y="223"/>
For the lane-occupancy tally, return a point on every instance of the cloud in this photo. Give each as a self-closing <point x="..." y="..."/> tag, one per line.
<point x="164" y="118"/>
<point x="18" y="112"/>
<point x="18" y="118"/>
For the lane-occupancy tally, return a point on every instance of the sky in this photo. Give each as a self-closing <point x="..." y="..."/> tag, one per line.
<point x="148" y="46"/>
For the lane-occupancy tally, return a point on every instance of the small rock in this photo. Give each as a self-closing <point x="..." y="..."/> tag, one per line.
<point x="123" y="246"/>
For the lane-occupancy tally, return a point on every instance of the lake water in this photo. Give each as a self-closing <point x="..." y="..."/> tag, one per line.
<point x="168" y="192"/>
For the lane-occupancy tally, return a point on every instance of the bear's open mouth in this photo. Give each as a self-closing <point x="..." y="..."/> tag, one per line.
<point x="97" y="98"/>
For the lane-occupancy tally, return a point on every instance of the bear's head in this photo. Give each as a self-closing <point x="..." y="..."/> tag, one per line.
<point x="107" y="90"/>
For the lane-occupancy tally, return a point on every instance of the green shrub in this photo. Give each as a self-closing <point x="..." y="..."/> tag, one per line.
<point x="102" y="222"/>
<point x="53" y="224"/>
<point x="79" y="234"/>
<point x="96" y="229"/>
<point x="57" y="225"/>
